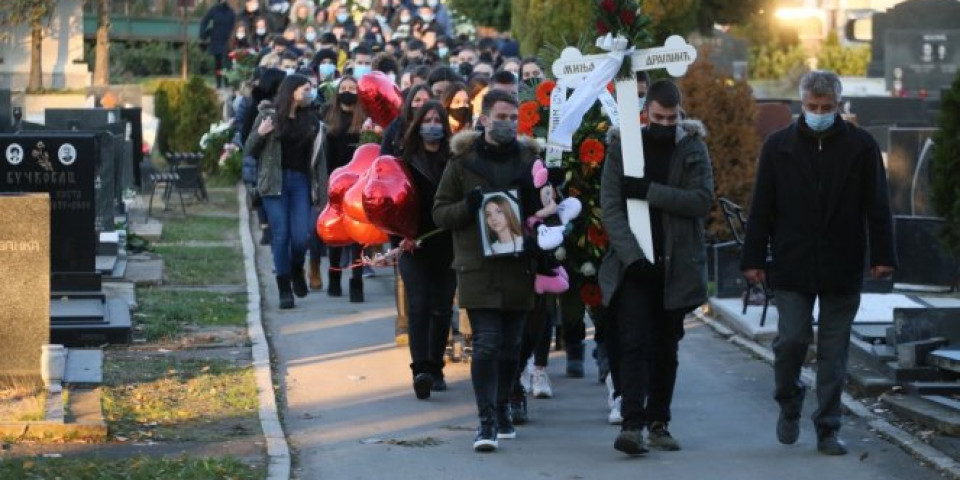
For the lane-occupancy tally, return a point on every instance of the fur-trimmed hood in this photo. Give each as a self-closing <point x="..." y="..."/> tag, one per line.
<point x="685" y="128"/>
<point x="463" y="141"/>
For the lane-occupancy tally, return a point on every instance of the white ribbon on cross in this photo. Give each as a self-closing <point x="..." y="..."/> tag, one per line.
<point x="571" y="114"/>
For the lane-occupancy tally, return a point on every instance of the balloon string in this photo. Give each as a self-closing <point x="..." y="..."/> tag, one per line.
<point x="386" y="259"/>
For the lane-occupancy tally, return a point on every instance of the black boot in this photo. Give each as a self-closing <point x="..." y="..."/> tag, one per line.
<point x="286" y="293"/>
<point x="299" y="283"/>
<point x="334" y="288"/>
<point x="486" y="439"/>
<point x="505" y="422"/>
<point x="356" y="290"/>
<point x="575" y="360"/>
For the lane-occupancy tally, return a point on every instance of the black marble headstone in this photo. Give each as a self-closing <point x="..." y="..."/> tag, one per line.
<point x="725" y="270"/>
<point x="921" y="38"/>
<point x="922" y="258"/>
<point x="727" y="53"/>
<point x="909" y="178"/>
<point x="904" y="112"/>
<point x="915" y="324"/>
<point x="64" y="164"/>
<point x="116" y="158"/>
<point x="134" y="117"/>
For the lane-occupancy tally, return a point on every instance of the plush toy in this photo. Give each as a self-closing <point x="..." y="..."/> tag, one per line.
<point x="550" y="223"/>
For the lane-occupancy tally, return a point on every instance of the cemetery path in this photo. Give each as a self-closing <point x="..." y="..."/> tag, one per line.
<point x="350" y="413"/>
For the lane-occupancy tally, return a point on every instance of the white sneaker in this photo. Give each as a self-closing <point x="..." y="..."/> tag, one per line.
<point x="615" y="418"/>
<point x="525" y="377"/>
<point x="609" y="383"/>
<point x="541" y="384"/>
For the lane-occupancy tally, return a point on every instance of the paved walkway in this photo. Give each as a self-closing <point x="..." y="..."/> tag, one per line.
<point x="350" y="412"/>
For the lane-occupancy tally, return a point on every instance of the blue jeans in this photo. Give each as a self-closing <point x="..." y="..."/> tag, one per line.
<point x="289" y="217"/>
<point x="496" y="355"/>
<point x="794" y="334"/>
<point x="430" y="287"/>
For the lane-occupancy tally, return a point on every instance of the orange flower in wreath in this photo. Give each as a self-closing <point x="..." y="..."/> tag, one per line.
<point x="597" y="236"/>
<point x="544" y="91"/>
<point x="525" y="129"/>
<point x="529" y="113"/>
<point x="591" y="152"/>
<point x="591" y="295"/>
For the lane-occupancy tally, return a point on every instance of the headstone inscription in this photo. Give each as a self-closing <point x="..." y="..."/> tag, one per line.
<point x="25" y="270"/>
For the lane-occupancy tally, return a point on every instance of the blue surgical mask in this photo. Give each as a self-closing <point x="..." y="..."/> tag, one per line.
<point x="643" y="101"/>
<point x="819" y="122"/>
<point x="342" y="17"/>
<point x="443" y="51"/>
<point x="326" y="70"/>
<point x="310" y="95"/>
<point x="290" y="71"/>
<point x="427" y="17"/>
<point x="361" y="70"/>
<point x="431" y="132"/>
<point x="310" y="36"/>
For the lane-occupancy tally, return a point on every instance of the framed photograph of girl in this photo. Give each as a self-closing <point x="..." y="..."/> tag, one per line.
<point x="501" y="231"/>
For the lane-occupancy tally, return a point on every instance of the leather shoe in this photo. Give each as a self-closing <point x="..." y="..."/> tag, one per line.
<point x="828" y="443"/>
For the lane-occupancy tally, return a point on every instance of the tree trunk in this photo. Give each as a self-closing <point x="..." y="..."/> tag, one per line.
<point x="36" y="57"/>
<point x="101" y="67"/>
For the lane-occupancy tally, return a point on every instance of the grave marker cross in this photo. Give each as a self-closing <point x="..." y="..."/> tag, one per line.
<point x="574" y="69"/>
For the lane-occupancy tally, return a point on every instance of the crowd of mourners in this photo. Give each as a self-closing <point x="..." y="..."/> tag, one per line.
<point x="299" y="117"/>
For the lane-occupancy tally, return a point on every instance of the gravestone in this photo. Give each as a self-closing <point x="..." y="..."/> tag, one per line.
<point x="916" y="324"/>
<point x="908" y="176"/>
<point x="916" y="46"/>
<point x="725" y="266"/>
<point x="64" y="165"/>
<point x="922" y="258"/>
<point x="25" y="270"/>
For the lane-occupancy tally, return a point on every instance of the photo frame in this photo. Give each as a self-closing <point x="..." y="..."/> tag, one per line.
<point x="500" y="224"/>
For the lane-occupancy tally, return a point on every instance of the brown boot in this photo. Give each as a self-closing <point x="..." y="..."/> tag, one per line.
<point x="316" y="280"/>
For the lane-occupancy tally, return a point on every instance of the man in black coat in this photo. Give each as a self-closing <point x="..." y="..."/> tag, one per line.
<point x="819" y="199"/>
<point x="216" y="27"/>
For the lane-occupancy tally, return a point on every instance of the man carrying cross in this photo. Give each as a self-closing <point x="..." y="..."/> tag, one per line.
<point x="649" y="300"/>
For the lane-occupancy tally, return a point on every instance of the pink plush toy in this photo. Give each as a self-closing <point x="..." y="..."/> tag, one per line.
<point x="550" y="223"/>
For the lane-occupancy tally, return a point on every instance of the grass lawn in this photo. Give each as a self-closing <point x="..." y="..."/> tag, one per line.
<point x="202" y="265"/>
<point x="136" y="468"/>
<point x="200" y="229"/>
<point x="163" y="313"/>
<point x="172" y="399"/>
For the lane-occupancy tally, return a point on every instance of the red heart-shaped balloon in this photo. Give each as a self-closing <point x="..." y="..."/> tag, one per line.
<point x="331" y="228"/>
<point x="380" y="97"/>
<point x="364" y="233"/>
<point x="389" y="198"/>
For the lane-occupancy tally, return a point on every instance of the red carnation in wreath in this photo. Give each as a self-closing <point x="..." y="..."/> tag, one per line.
<point x="597" y="236"/>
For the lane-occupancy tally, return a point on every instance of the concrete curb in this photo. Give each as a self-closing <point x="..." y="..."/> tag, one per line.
<point x="937" y="459"/>
<point x="278" y="452"/>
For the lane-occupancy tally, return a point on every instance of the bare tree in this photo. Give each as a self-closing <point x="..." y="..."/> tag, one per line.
<point x="101" y="66"/>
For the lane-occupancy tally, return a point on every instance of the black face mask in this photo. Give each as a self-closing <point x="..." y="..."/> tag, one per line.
<point x="661" y="133"/>
<point x="347" y="98"/>
<point x="460" y="114"/>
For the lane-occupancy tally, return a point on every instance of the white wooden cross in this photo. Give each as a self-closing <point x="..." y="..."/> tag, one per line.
<point x="573" y="68"/>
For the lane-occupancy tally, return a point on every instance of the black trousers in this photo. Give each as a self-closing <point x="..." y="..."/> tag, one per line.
<point x="643" y="347"/>
<point x="353" y="254"/>
<point x="429" y="288"/>
<point x="496" y="351"/>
